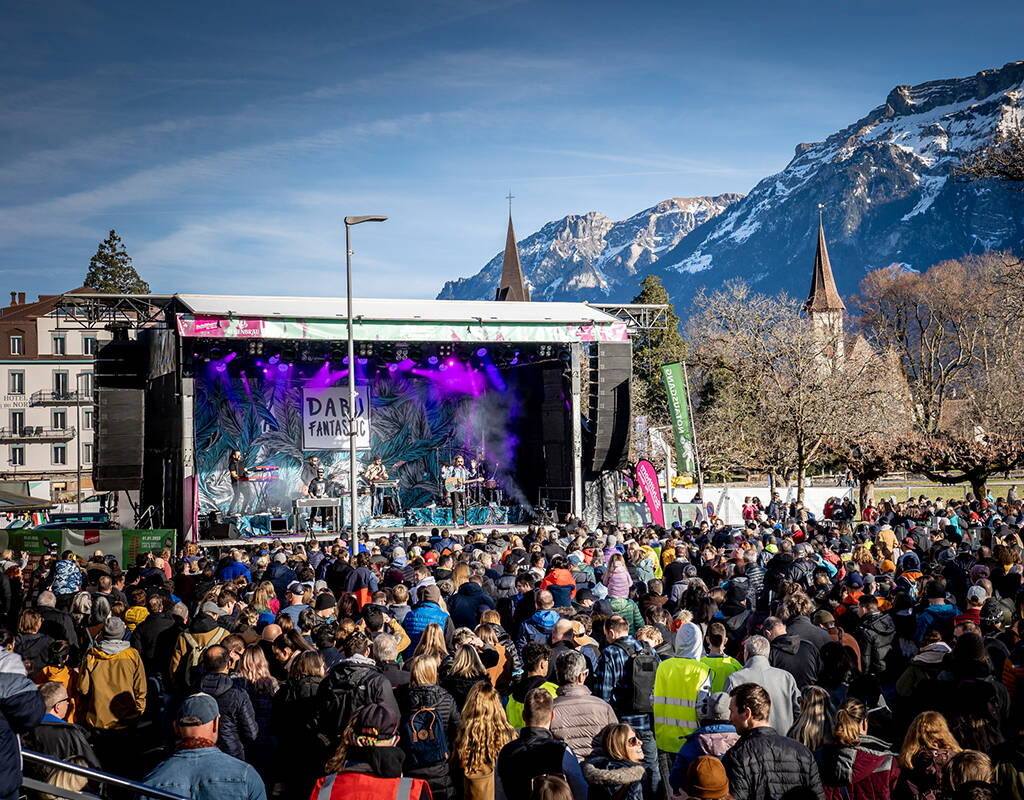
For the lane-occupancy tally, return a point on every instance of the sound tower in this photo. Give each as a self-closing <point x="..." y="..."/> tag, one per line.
<point x="611" y="370"/>
<point x="120" y="379"/>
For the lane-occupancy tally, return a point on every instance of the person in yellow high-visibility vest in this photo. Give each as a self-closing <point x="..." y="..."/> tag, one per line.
<point x="721" y="665"/>
<point x="679" y="686"/>
<point x="536" y="657"/>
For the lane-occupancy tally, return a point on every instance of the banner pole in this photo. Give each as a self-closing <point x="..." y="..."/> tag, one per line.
<point x="693" y="434"/>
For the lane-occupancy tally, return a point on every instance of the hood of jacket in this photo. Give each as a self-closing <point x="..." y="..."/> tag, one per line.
<point x="545" y="618"/>
<point x="787" y="643"/>
<point x="932" y="653"/>
<point x="470" y="589"/>
<point x="604" y="771"/>
<point x="111" y="649"/>
<point x="384" y="762"/>
<point x="216" y="684"/>
<point x="202" y="623"/>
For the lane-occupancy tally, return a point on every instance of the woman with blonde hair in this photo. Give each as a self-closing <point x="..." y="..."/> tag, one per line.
<point x="616" y="771"/>
<point x="459" y="576"/>
<point x="500" y="673"/>
<point x="484" y="730"/>
<point x="431" y="712"/>
<point x="465" y="672"/>
<point x="432" y="643"/>
<point x="264" y="599"/>
<point x="814" y="726"/>
<point x="927" y="748"/>
<point x="261" y="687"/>
<point x="856" y="766"/>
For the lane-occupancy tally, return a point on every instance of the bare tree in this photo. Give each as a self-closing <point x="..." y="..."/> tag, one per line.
<point x="1001" y="160"/>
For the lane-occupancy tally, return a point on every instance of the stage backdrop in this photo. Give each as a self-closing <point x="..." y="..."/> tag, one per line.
<point x="415" y="420"/>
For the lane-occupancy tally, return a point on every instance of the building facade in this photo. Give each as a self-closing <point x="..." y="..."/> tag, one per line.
<point x="47" y="411"/>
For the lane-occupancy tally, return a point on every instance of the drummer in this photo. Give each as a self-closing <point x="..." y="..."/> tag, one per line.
<point x="375" y="473"/>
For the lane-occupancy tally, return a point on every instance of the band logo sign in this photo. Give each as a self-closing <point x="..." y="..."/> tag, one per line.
<point x="326" y="418"/>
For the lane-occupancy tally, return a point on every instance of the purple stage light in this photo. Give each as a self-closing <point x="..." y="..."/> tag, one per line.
<point x="432" y="360"/>
<point x="221" y="366"/>
<point x="282" y="367"/>
<point x="482" y="352"/>
<point x="406" y="364"/>
<point x="259" y="362"/>
<point x="392" y="368"/>
<point x="275" y="358"/>
<point x="443" y="367"/>
<point x="362" y="362"/>
<point x="345" y="361"/>
<point x="514" y="361"/>
<point x="230" y="357"/>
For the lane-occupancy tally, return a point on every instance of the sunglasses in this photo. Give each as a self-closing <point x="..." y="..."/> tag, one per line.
<point x="634" y="741"/>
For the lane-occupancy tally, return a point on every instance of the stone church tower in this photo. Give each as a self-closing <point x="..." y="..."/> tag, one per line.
<point x="824" y="306"/>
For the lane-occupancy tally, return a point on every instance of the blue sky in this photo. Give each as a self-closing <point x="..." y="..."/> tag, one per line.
<point x="225" y="141"/>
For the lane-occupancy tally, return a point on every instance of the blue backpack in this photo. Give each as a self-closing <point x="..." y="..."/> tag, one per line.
<point x="425" y="737"/>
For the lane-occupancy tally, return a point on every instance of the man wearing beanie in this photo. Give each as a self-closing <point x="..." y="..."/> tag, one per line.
<point x="112" y="683"/>
<point x="369" y="763"/>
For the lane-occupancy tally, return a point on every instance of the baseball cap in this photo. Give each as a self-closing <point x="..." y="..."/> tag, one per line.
<point x="853" y="579"/>
<point x="296" y="588"/>
<point x="977" y="593"/>
<point x="374" y="721"/>
<point x="211" y="608"/>
<point x="198" y="709"/>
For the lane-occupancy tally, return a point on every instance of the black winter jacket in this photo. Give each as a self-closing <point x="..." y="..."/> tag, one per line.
<point x="59" y="625"/>
<point x="799" y="658"/>
<point x="802" y="628"/>
<point x="302" y="752"/>
<point x="437" y="775"/>
<point x="351" y="684"/>
<point x="237" y="718"/>
<point x="155" y="638"/>
<point x="875" y="633"/>
<point x="764" y="765"/>
<point x="34" y="648"/>
<point x="61" y="740"/>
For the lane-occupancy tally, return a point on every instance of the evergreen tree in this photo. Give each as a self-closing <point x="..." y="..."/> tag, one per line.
<point x="651" y="350"/>
<point x="111" y="270"/>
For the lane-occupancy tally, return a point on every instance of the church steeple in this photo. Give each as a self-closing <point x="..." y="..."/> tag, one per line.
<point x="513" y="284"/>
<point x="824" y="295"/>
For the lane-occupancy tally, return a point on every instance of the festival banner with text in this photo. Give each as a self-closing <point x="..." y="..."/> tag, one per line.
<point x="679" y="410"/>
<point x="325" y="418"/>
<point x="647" y="477"/>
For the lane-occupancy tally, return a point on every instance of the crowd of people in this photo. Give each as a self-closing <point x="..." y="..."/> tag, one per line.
<point x="865" y="656"/>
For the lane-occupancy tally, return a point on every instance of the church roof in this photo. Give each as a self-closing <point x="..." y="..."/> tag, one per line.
<point x="824" y="295"/>
<point x="513" y="284"/>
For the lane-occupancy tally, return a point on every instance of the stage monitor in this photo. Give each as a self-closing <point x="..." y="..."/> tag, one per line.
<point x="279" y="524"/>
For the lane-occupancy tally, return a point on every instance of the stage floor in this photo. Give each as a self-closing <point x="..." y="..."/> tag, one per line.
<point x="372" y="534"/>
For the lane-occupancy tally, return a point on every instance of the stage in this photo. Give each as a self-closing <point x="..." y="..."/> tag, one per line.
<point x="245" y="415"/>
<point x="407" y="533"/>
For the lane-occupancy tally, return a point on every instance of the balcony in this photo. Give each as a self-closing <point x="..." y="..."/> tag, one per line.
<point x="61" y="398"/>
<point x="36" y="434"/>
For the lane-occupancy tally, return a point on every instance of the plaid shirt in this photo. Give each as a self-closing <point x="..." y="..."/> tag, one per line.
<point x="610" y="673"/>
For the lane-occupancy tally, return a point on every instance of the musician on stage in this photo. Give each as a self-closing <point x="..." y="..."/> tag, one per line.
<point x="374" y="473"/>
<point x="238" y="474"/>
<point x="309" y="470"/>
<point x="458" y="475"/>
<point x="317" y="488"/>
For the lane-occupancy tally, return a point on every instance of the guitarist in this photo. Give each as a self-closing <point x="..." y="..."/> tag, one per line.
<point x="374" y="473"/>
<point x="455" y="482"/>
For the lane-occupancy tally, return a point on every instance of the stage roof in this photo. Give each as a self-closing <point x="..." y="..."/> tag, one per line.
<point x="380" y="309"/>
<point x="324" y="318"/>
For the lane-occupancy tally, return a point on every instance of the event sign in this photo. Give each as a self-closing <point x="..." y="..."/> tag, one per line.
<point x="679" y="410"/>
<point x="647" y="477"/>
<point x="326" y="418"/>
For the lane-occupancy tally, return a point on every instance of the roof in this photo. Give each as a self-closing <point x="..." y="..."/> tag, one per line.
<point x="513" y="285"/>
<point x="13" y="502"/>
<point x="824" y="295"/>
<point x="379" y="309"/>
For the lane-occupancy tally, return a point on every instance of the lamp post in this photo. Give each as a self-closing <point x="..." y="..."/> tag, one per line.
<point x="353" y="499"/>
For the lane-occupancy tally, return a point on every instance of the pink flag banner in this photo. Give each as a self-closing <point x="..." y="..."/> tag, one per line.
<point x="647" y="477"/>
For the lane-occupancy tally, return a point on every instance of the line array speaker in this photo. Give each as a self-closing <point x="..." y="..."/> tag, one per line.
<point x="612" y="366"/>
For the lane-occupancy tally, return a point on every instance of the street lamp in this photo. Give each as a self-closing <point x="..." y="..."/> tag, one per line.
<point x="353" y="499"/>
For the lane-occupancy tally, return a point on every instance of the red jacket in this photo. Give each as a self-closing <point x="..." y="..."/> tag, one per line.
<point x="559" y="577"/>
<point x="364" y="786"/>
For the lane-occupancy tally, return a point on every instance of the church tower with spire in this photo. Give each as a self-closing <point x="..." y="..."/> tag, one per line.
<point x="513" y="284"/>
<point x="824" y="306"/>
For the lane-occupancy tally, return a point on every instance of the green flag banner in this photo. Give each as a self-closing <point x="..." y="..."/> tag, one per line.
<point x="679" y="410"/>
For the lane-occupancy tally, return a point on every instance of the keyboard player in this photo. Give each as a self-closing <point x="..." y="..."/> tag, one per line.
<point x="318" y="488"/>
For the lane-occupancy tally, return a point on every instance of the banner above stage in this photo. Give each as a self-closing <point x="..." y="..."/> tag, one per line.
<point x="193" y="326"/>
<point x="325" y="418"/>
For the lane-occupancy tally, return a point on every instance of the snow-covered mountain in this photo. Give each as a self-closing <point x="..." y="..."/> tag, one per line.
<point x="888" y="192"/>
<point x="590" y="257"/>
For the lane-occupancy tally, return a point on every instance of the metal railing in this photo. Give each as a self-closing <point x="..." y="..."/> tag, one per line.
<point x="68" y="397"/>
<point x="30" y="433"/>
<point x="98" y="776"/>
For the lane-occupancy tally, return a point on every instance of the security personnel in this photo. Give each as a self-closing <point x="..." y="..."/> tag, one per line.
<point x="679" y="686"/>
<point x="721" y="665"/>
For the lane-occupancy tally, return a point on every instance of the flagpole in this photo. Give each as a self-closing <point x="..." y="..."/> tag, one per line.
<point x="693" y="434"/>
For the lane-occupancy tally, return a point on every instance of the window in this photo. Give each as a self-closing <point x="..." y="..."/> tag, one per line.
<point x="60" y="454"/>
<point x="87" y="419"/>
<point x="17" y="422"/>
<point x="60" y="383"/>
<point x="86" y="453"/>
<point x="60" y="418"/>
<point x="18" y="455"/>
<point x="60" y="346"/>
<point x="85" y="383"/>
<point x="16" y="381"/>
<point x="17" y="345"/>
<point x="89" y="345"/>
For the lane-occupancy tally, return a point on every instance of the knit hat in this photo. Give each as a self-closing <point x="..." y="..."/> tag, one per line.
<point x="281" y="557"/>
<point x="211" y="608"/>
<point x="324" y="601"/>
<point x="114" y="628"/>
<point x="715" y="707"/>
<point x="430" y="593"/>
<point x="706" y="779"/>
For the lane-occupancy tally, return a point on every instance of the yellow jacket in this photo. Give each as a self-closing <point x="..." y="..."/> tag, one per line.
<point x="112" y="685"/>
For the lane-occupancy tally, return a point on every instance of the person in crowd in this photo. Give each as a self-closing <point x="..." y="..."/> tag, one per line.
<point x="429" y="726"/>
<point x="927" y="749"/>
<point x="778" y="683"/>
<point x="706" y="780"/>
<point x="814" y="725"/>
<point x="483" y="732"/>
<point x="22" y="708"/>
<point x="799" y="657"/>
<point x="536" y="660"/>
<point x="764" y="763"/>
<point x="56" y="736"/>
<point x="714" y="737"/>
<point x="855" y="765"/>
<point x="199" y="769"/>
<point x="537" y="752"/>
<point x="579" y="716"/>
<point x="971" y="777"/>
<point x="614" y="770"/>
<point x="354" y="682"/>
<point x="466" y="670"/>
<point x="238" y="728"/>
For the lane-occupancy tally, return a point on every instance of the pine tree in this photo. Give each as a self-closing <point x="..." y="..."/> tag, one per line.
<point x="111" y="270"/>
<point x="651" y="350"/>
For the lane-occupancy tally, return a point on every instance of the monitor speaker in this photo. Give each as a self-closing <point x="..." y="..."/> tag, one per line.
<point x="120" y="379"/>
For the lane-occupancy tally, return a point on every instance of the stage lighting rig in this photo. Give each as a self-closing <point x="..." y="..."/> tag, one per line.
<point x="364" y="349"/>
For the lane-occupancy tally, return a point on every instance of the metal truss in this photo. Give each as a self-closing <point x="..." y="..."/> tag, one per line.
<point x="637" y="316"/>
<point x="101" y="310"/>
